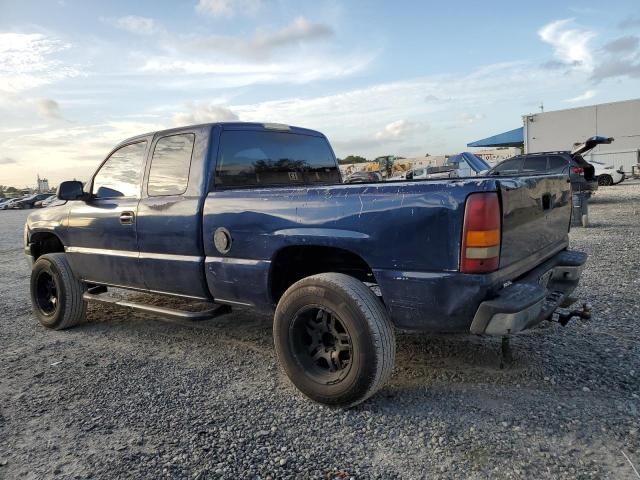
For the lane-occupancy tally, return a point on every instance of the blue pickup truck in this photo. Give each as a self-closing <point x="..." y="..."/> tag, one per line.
<point x="256" y="216"/>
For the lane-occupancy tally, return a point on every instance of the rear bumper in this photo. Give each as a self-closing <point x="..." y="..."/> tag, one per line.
<point x="457" y="302"/>
<point x="532" y="298"/>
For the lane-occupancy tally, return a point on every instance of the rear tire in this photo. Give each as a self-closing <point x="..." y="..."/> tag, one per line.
<point x="334" y="339"/>
<point x="56" y="293"/>
<point x="605" y="180"/>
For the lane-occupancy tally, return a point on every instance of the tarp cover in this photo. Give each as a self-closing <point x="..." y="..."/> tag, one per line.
<point x="512" y="138"/>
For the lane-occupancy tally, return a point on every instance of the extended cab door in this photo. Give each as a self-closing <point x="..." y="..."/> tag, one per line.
<point x="102" y="230"/>
<point x="170" y="214"/>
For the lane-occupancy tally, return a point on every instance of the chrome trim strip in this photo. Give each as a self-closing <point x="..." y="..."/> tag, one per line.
<point x="237" y="261"/>
<point x="170" y="256"/>
<point x="102" y="251"/>
<point x="130" y="254"/>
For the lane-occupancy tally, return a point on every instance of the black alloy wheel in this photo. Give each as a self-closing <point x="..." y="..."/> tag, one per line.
<point x="321" y="344"/>
<point x="46" y="293"/>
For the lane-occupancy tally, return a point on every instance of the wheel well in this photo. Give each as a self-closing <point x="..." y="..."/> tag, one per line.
<point x="42" y="243"/>
<point x="297" y="262"/>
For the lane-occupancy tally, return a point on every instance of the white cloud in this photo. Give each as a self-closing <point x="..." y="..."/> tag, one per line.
<point x="468" y="117"/>
<point x="48" y="108"/>
<point x="136" y="25"/>
<point x="263" y="43"/>
<point x="219" y="74"/>
<point x="630" y="22"/>
<point x="66" y="153"/>
<point x="204" y="113"/>
<point x="581" y="98"/>
<point x="26" y="61"/>
<point x="628" y="43"/>
<point x="570" y="43"/>
<point x="228" y="8"/>
<point x="395" y="130"/>
<point x="300" y="30"/>
<point x="234" y="61"/>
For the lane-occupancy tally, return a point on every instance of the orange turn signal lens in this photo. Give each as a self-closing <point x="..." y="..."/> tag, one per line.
<point x="483" y="238"/>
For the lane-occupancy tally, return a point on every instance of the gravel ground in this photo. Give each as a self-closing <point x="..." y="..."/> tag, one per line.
<point x="128" y="395"/>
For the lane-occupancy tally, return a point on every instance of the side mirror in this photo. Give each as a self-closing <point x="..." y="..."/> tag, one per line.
<point x="71" y="190"/>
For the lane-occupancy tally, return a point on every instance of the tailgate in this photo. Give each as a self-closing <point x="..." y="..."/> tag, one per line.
<point x="536" y="212"/>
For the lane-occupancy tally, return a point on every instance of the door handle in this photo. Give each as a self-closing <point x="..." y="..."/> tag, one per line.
<point x="126" y="218"/>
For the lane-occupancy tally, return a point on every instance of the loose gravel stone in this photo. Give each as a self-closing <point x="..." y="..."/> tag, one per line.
<point x="137" y="396"/>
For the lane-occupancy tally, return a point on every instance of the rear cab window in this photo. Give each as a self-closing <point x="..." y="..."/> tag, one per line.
<point x="170" y="165"/>
<point x="256" y="158"/>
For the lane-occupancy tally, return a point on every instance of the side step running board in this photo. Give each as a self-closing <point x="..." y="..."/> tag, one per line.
<point x="217" y="311"/>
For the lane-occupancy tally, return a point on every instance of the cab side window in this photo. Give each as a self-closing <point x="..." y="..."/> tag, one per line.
<point x="512" y="166"/>
<point x="535" y="164"/>
<point x="558" y="164"/>
<point x="120" y="175"/>
<point x="170" y="165"/>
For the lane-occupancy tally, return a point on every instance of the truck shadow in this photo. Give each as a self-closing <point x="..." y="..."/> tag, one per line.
<point x="423" y="361"/>
<point x="419" y="356"/>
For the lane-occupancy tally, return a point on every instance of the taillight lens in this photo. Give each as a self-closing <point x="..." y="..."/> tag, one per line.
<point x="481" y="234"/>
<point x="578" y="170"/>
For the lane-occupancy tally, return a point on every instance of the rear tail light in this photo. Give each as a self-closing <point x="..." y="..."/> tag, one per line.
<point x="578" y="170"/>
<point x="481" y="234"/>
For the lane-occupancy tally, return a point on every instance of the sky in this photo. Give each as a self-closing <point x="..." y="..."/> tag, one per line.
<point x="404" y="78"/>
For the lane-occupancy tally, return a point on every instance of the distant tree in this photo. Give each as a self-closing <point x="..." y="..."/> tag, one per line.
<point x="352" y="159"/>
<point x="11" y="190"/>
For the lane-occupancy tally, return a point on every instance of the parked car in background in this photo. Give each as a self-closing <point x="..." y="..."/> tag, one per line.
<point x="428" y="173"/>
<point x="468" y="164"/>
<point x="52" y="200"/>
<point x="397" y="176"/>
<point x="28" y="202"/>
<point x="581" y="172"/>
<point x="363" y="177"/>
<point x="607" y="174"/>
<point x="7" y="204"/>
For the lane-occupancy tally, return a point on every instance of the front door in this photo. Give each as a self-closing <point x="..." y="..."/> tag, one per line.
<point x="103" y="229"/>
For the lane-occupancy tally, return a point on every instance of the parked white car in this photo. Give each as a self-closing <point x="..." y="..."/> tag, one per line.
<point x="607" y="174"/>
<point x="428" y="173"/>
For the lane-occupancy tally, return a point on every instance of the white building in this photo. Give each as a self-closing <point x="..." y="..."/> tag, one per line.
<point x="43" y="185"/>
<point x="494" y="156"/>
<point x="561" y="129"/>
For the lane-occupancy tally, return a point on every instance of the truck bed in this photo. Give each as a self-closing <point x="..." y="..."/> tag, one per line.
<point x="409" y="234"/>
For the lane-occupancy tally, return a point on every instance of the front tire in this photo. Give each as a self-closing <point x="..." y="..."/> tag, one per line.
<point x="334" y="339"/>
<point x="56" y="293"/>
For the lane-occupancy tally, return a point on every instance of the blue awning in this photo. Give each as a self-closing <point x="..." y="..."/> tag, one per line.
<point x="512" y="138"/>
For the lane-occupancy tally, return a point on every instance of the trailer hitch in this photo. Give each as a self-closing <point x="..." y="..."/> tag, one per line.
<point x="583" y="313"/>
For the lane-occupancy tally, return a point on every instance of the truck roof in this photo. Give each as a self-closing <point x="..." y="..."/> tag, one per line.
<point x="230" y="125"/>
